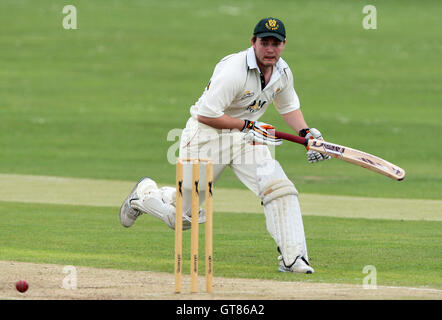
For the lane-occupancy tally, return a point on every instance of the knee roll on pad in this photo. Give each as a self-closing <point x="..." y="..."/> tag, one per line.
<point x="277" y="189"/>
<point x="168" y="194"/>
<point x="273" y="182"/>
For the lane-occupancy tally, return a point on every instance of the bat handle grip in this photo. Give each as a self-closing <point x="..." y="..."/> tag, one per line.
<point x="291" y="137"/>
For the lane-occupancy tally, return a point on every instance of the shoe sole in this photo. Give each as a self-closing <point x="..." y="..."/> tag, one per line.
<point x="281" y="269"/>
<point x="128" y="200"/>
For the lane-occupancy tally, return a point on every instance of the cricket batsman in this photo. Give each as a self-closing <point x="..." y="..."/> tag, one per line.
<point x="224" y="126"/>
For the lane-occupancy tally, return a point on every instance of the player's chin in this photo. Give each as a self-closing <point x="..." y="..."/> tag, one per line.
<point x="269" y="61"/>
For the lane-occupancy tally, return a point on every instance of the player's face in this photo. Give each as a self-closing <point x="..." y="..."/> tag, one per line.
<point x="268" y="51"/>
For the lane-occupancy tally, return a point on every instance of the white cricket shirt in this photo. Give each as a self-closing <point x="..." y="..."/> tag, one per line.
<point x="235" y="89"/>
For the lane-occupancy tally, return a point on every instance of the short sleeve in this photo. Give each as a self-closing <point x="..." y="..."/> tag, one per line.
<point x="224" y="86"/>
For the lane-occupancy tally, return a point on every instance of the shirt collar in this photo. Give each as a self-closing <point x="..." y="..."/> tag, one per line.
<point x="251" y="59"/>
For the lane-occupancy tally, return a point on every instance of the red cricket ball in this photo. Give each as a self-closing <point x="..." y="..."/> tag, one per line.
<point x="21" y="285"/>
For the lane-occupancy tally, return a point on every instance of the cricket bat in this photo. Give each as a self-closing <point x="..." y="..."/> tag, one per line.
<point x="354" y="156"/>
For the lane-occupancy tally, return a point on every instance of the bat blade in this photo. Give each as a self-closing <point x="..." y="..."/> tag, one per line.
<point x="358" y="157"/>
<point x="350" y="155"/>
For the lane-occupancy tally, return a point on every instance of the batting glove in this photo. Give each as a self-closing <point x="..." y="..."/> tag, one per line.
<point x="260" y="132"/>
<point x="313" y="156"/>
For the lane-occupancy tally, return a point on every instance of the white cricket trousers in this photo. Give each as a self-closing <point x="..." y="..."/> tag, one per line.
<point x="226" y="148"/>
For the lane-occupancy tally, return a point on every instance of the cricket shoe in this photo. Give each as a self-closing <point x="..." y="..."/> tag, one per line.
<point x="128" y="214"/>
<point x="300" y="266"/>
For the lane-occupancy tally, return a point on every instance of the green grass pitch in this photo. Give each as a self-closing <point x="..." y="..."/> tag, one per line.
<point x="404" y="252"/>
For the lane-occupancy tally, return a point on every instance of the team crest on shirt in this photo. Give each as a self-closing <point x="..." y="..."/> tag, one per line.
<point x="247" y="94"/>
<point x="256" y="106"/>
<point x="276" y="92"/>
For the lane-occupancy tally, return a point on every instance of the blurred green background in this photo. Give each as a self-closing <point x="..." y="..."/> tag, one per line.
<point x="99" y="101"/>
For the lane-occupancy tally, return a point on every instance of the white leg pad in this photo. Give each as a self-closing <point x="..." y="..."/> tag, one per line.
<point x="282" y="211"/>
<point x="160" y="203"/>
<point x="152" y="203"/>
<point x="168" y="195"/>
